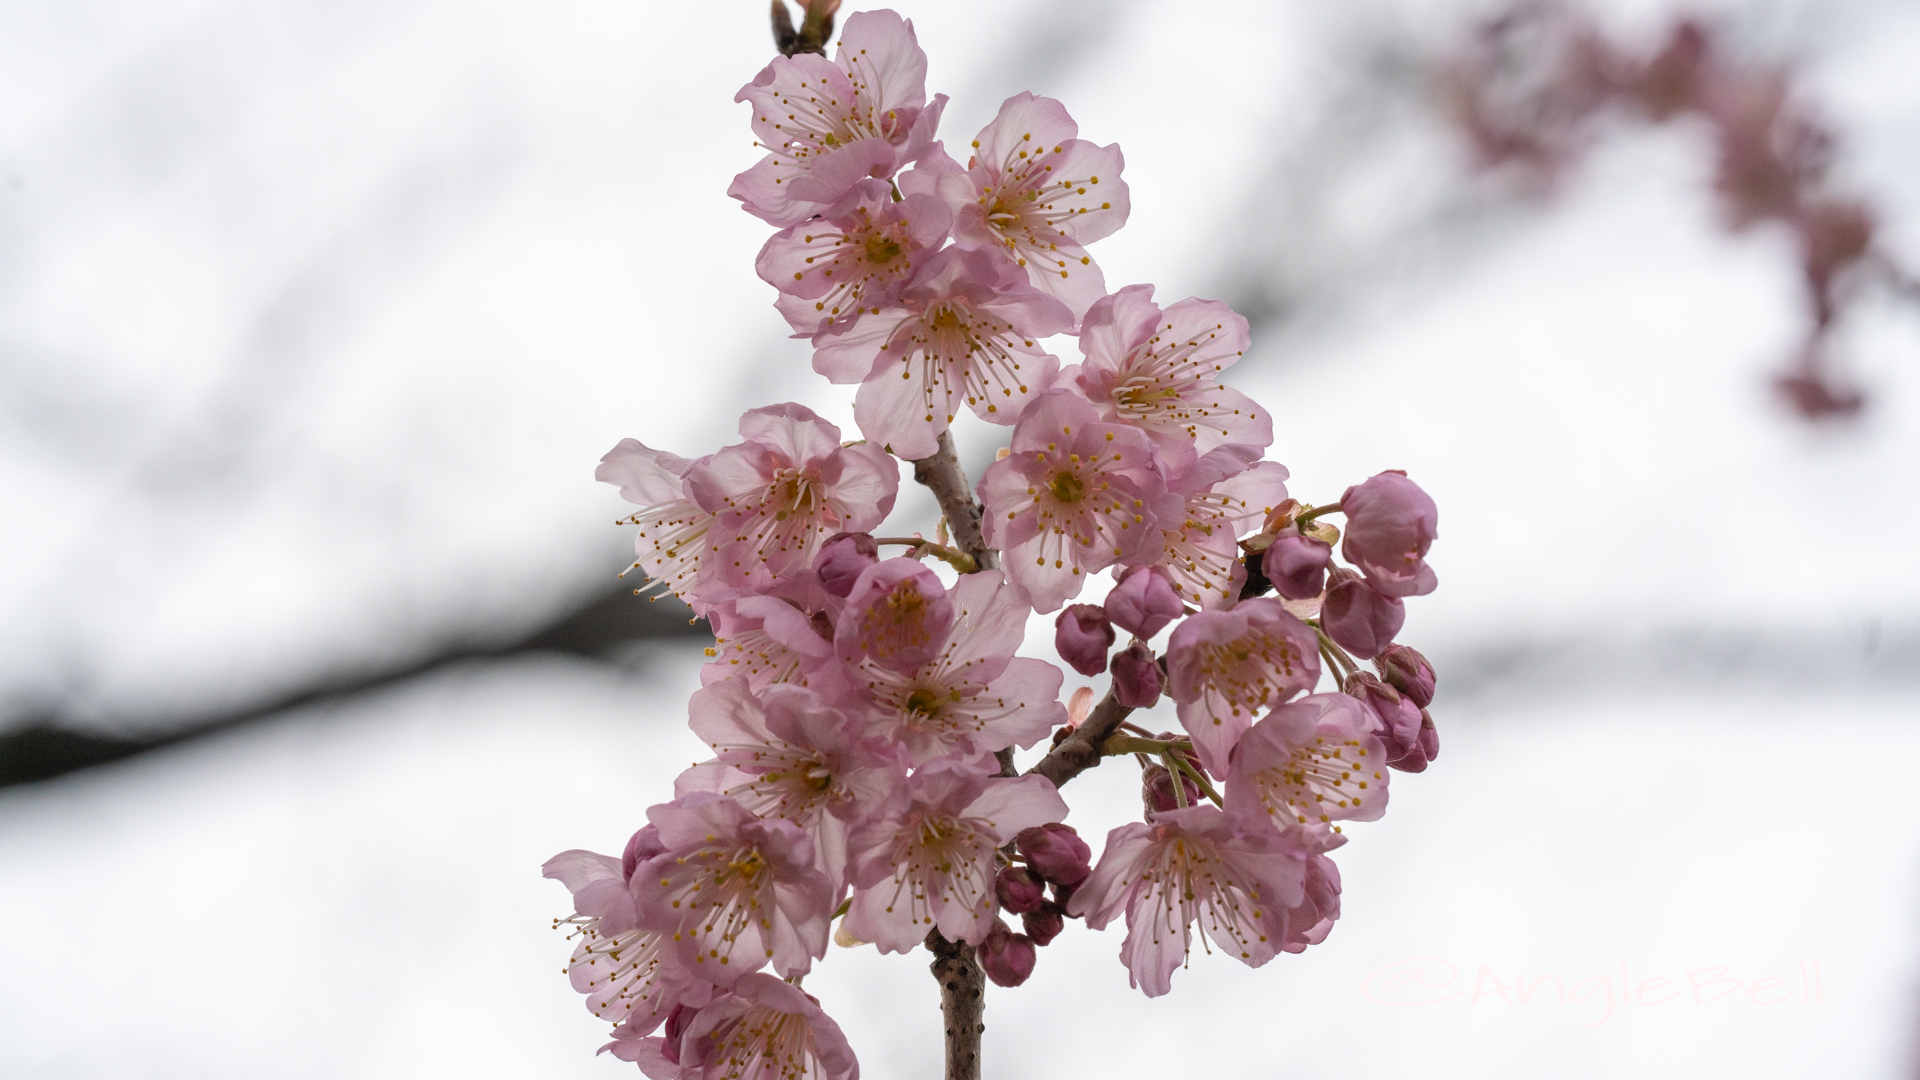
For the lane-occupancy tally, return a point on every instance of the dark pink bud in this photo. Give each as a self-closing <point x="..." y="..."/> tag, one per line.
<point x="1006" y="957"/>
<point x="1136" y="676"/>
<point x="1407" y="671"/>
<point x="1396" y="719"/>
<point x="1297" y="565"/>
<point x="1358" y="618"/>
<point x="1144" y="602"/>
<point x="1056" y="853"/>
<point x="1426" y="748"/>
<point x="842" y="559"/>
<point x="1045" y="923"/>
<point x="1082" y="636"/>
<point x="1018" y="890"/>
<point x="1390" y="525"/>
<point x="1156" y="789"/>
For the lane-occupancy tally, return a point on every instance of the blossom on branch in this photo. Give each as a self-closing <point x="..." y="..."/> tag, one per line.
<point x="1224" y="667"/>
<point x="763" y="1029"/>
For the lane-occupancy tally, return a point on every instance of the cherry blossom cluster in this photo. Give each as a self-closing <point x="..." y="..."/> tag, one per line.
<point x="863" y="708"/>
<point x="1537" y="77"/>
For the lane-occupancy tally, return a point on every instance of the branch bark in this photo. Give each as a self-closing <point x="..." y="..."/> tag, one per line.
<point x="1083" y="749"/>
<point x="963" y="1003"/>
<point x="941" y="474"/>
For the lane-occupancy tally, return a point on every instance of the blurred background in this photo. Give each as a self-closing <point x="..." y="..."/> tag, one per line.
<point x="315" y="316"/>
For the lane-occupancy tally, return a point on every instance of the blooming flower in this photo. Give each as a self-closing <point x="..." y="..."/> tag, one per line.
<point x="929" y="864"/>
<point x="1074" y="496"/>
<point x="975" y="697"/>
<point x="838" y="269"/>
<point x="763" y="640"/>
<point x="672" y="542"/>
<point x="1037" y="194"/>
<point x="786" y="753"/>
<point x="1223" y="667"/>
<point x="629" y="973"/>
<point x="827" y="125"/>
<point x="763" y="1029"/>
<point x="964" y="329"/>
<point x="1157" y="370"/>
<point x="1233" y="877"/>
<point x="897" y="615"/>
<point x="775" y="497"/>
<point x="1309" y="763"/>
<point x="733" y="891"/>
<point x="1225" y="493"/>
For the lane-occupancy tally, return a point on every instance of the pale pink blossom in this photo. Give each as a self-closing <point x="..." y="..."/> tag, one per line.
<point x="1224" y="667"/>
<point x="930" y="863"/>
<point x="1036" y="194"/>
<point x="1073" y="497"/>
<point x="1226" y="493"/>
<point x="1231" y="878"/>
<point x="671" y="547"/>
<point x="975" y="696"/>
<point x="827" y="125"/>
<point x="763" y="640"/>
<point x="775" y="497"/>
<point x="1159" y="370"/>
<point x="965" y="329"/>
<point x="897" y="616"/>
<point x="786" y="753"/>
<point x="1310" y="763"/>
<point x="1390" y="525"/>
<point x="734" y="892"/>
<point x="630" y="974"/>
<point x="833" y="271"/>
<point x="763" y="1029"/>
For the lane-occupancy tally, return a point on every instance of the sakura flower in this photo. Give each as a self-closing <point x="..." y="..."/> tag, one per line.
<point x="786" y="753"/>
<point x="775" y="497"/>
<point x="930" y="863"/>
<point x="1309" y="763"/>
<point x="733" y="891"/>
<point x="629" y="974"/>
<point x="1074" y="496"/>
<point x="1234" y="877"/>
<point x="1390" y="525"/>
<point x="1157" y="370"/>
<point x="1226" y="492"/>
<point x="1223" y="667"/>
<point x="762" y="640"/>
<point x="975" y="697"/>
<point x="1311" y="920"/>
<point x="1036" y="194"/>
<point x="897" y="616"/>
<point x="964" y="329"/>
<point x="836" y="269"/>
<point x="827" y="125"/>
<point x="672" y="542"/>
<point x="763" y="1029"/>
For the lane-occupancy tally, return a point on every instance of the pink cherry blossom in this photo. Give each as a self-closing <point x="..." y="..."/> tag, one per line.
<point x="930" y="863"/>
<point x="786" y="753"/>
<point x="827" y="125"/>
<point x="965" y="329"/>
<point x="763" y="1029"/>
<point x="1224" y="667"/>
<point x="733" y="891"/>
<point x="763" y="640"/>
<point x="1390" y="525"/>
<point x="775" y="497"/>
<point x="1311" y="920"/>
<point x="1227" y="492"/>
<point x="1310" y="763"/>
<point x="835" y="270"/>
<point x="898" y="616"/>
<point x="975" y="697"/>
<point x="1036" y="194"/>
<point x="1073" y="497"/>
<point x="1158" y="370"/>
<point x="1234" y="877"/>
<point x="672" y="544"/>
<point x="629" y="974"/>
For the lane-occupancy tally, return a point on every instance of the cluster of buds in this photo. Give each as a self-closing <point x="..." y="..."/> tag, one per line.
<point x="1529" y="89"/>
<point x="863" y="706"/>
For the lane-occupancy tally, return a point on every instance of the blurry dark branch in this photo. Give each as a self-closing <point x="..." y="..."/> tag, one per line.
<point x="53" y="742"/>
<point x="816" y="26"/>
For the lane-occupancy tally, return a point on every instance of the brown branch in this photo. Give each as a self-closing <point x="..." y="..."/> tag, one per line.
<point x="941" y="474"/>
<point x="963" y="1003"/>
<point x="1083" y="749"/>
<point x="816" y="27"/>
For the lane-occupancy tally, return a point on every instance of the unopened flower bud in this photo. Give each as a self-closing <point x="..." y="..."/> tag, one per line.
<point x="1136" y="676"/>
<point x="1082" y="636"/>
<point x="1297" y="565"/>
<point x="1358" y="618"/>
<point x="842" y="559"/>
<point x="1390" y="525"/>
<point x="1144" y="602"/>
<point x="1407" y="671"/>
<point x="1156" y="789"/>
<point x="1006" y="957"/>
<point x="641" y="846"/>
<point x="1056" y="853"/>
<point x="1396" y="719"/>
<point x="1426" y="747"/>
<point x="1018" y="890"/>
<point x="1044" y="923"/>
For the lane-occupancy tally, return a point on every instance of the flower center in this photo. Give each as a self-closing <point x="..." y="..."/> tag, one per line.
<point x="881" y="249"/>
<point x="1067" y="487"/>
<point x="923" y="701"/>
